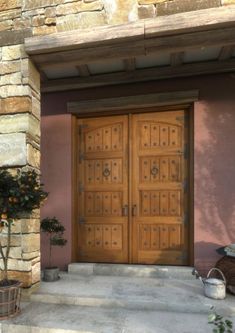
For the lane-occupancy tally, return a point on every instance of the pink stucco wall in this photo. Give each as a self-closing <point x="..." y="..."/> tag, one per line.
<point x="214" y="159"/>
<point x="56" y="175"/>
<point x="214" y="179"/>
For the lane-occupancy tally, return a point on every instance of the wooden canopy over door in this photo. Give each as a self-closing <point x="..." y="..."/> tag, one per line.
<point x="132" y="203"/>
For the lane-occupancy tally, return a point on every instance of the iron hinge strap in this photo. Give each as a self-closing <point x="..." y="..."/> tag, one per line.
<point x="183" y="119"/>
<point x="81" y="252"/>
<point x="81" y="157"/>
<point x="186" y="151"/>
<point x="180" y="118"/>
<point x="185" y="186"/>
<point x="80" y="187"/>
<point x="81" y="127"/>
<point x="183" y="256"/>
<point x="186" y="218"/>
<point x="81" y="220"/>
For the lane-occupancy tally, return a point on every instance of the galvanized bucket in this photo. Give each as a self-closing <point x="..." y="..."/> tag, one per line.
<point x="215" y="288"/>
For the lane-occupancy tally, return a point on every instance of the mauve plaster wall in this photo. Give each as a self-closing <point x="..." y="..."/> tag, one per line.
<point x="214" y="158"/>
<point x="56" y="175"/>
<point x="214" y="179"/>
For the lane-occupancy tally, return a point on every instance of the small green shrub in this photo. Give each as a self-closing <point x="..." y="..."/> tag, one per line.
<point x="221" y="325"/>
<point x="55" y="230"/>
<point x="20" y="193"/>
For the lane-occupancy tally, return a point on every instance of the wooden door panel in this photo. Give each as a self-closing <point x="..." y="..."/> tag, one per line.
<point x="159" y="135"/>
<point x="106" y="138"/>
<point x="153" y="184"/>
<point x="159" y="176"/>
<point x="160" y="203"/>
<point x="103" y="203"/>
<point x="103" y="183"/>
<point x="160" y="168"/>
<point x="102" y="237"/>
<point x="103" y="171"/>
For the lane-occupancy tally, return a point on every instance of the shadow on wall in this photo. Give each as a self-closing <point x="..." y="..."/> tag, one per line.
<point x="205" y="262"/>
<point x="214" y="178"/>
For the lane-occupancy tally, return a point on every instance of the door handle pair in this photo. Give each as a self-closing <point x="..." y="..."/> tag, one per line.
<point x="125" y="210"/>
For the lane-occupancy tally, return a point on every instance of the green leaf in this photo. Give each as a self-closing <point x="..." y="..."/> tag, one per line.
<point x="229" y="323"/>
<point x="211" y="317"/>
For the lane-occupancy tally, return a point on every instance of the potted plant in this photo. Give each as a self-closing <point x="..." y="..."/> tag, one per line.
<point x="20" y="193"/>
<point x="55" y="230"/>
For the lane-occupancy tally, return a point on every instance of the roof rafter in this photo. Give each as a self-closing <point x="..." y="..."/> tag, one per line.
<point x="140" y="75"/>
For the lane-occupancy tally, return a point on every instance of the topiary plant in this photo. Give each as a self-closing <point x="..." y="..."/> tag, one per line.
<point x="55" y="230"/>
<point x="20" y="192"/>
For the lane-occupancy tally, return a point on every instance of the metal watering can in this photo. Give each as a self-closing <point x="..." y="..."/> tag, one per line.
<point x="213" y="288"/>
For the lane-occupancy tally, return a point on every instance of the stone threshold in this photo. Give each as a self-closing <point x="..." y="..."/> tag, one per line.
<point x="151" y="271"/>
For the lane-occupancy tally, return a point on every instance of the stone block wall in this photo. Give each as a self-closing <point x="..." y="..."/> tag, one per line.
<point x="19" y="132"/>
<point x="20" y="87"/>
<point x="24" y="261"/>
<point x="39" y="17"/>
<point x="20" y="147"/>
<point x="168" y="7"/>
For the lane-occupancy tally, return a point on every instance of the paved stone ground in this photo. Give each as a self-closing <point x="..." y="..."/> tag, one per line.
<point x="54" y="318"/>
<point x="132" y="293"/>
<point x="118" y="304"/>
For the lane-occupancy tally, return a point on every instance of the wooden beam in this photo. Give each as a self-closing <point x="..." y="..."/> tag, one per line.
<point x="209" y="19"/>
<point x="226" y="52"/>
<point x="85" y="38"/>
<point x="199" y="20"/>
<point x="177" y="59"/>
<point x="86" y="56"/>
<point x="194" y="40"/>
<point x="140" y="75"/>
<point x="170" y="44"/>
<point x="129" y="64"/>
<point x="129" y="102"/>
<point x="83" y="70"/>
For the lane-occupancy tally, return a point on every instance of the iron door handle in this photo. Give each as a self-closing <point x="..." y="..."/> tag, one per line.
<point x="134" y="210"/>
<point x="125" y="210"/>
<point x="154" y="171"/>
<point x="106" y="172"/>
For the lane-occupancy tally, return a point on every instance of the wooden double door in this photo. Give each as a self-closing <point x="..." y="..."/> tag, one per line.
<point x="132" y="202"/>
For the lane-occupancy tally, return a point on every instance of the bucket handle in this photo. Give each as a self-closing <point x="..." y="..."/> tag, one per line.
<point x="218" y="270"/>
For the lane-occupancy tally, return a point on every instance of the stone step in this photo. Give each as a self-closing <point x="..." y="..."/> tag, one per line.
<point x="152" y="271"/>
<point x="131" y="293"/>
<point x="54" y="318"/>
<point x="92" y="303"/>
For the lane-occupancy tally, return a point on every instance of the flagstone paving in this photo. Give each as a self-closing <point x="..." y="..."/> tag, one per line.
<point x="110" y="303"/>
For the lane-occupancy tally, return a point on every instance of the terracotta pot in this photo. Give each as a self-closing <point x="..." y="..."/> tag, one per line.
<point x="10" y="299"/>
<point x="51" y="274"/>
